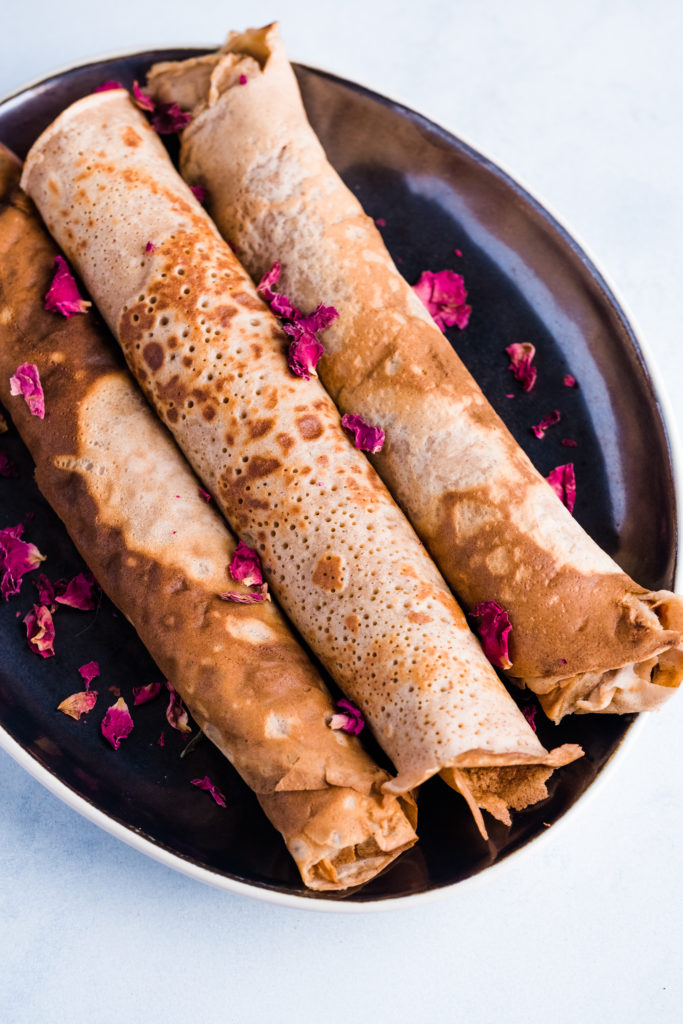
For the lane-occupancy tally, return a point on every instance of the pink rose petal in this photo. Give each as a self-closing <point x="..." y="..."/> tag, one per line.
<point x="305" y="351"/>
<point x="16" y="559"/>
<point x="117" y="723"/>
<point x="8" y="469"/>
<point x="380" y="222"/>
<point x="366" y="437"/>
<point x="494" y="631"/>
<point x="150" y="247"/>
<point x="445" y="296"/>
<point x="245" y="566"/>
<point x="279" y="304"/>
<point x="176" y="713"/>
<point x="63" y="295"/>
<point x="529" y="713"/>
<point x="348" y="718"/>
<point x="204" y="494"/>
<point x="142" y="100"/>
<point x="199" y="192"/>
<point x="563" y="482"/>
<point x="88" y="672"/>
<point x="569" y="381"/>
<point x="40" y="631"/>
<point x="253" y="598"/>
<point x="108" y="86"/>
<point x="78" y="703"/>
<point x="243" y="79"/>
<point x="550" y="420"/>
<point x="81" y="592"/>
<point x="568" y="443"/>
<point x="169" y="118"/>
<point x="46" y="592"/>
<point x="208" y="785"/>
<point x="521" y="355"/>
<point x="26" y="382"/>
<point x="161" y="742"/>
<point x="143" y="694"/>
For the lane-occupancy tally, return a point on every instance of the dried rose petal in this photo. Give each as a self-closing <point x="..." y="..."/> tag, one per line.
<point x="563" y="482"/>
<point x="208" y="785"/>
<point x="150" y="247"/>
<point x="365" y="437"/>
<point x="304" y="352"/>
<point x="176" y="713"/>
<point x="445" y="296"/>
<point x="79" y="703"/>
<point x="143" y="694"/>
<point x="40" y="631"/>
<point x="142" y="100"/>
<point x="26" y="382"/>
<point x="169" y="119"/>
<point x="117" y="723"/>
<point x="161" y="742"/>
<point x="550" y="420"/>
<point x="319" y="319"/>
<point x="199" y="192"/>
<point x="529" y="713"/>
<point x="107" y="86"/>
<point x="63" y="295"/>
<point x="8" y="469"/>
<point x="46" y="592"/>
<point x="494" y="630"/>
<point x="348" y="719"/>
<point x="81" y="592"/>
<point x="521" y="355"/>
<point x="16" y="558"/>
<point x="245" y="566"/>
<point x="204" y="494"/>
<point x="279" y="304"/>
<point x="88" y="672"/>
<point x="380" y="222"/>
<point x="568" y="443"/>
<point x="243" y="79"/>
<point x="253" y="598"/>
<point x="569" y="381"/>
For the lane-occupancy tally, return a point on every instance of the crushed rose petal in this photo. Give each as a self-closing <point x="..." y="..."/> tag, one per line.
<point x="305" y="351"/>
<point x="521" y="355"/>
<point x="348" y="718"/>
<point x="569" y="381"/>
<point x="79" y="703"/>
<point x="243" y="79"/>
<point x="550" y="420"/>
<point x="26" y="382"/>
<point x="245" y="566"/>
<point x="63" y="295"/>
<point x="494" y="632"/>
<point x="161" y="742"/>
<point x="150" y="247"/>
<point x="380" y="222"/>
<point x="143" y="694"/>
<point x="529" y="712"/>
<point x="46" y="592"/>
<point x="107" y="86"/>
<point x="40" y="631"/>
<point x="88" y="672"/>
<point x="142" y="100"/>
<point x="563" y="482"/>
<point x="279" y="304"/>
<point x="169" y="119"/>
<point x="365" y="437"/>
<point x="176" y="713"/>
<point x="445" y="296"/>
<point x="17" y="557"/>
<point x="253" y="598"/>
<point x="568" y="443"/>
<point x="117" y="723"/>
<point x="204" y="494"/>
<point x="81" y="592"/>
<point x="8" y="469"/>
<point x="208" y="785"/>
<point x="199" y="192"/>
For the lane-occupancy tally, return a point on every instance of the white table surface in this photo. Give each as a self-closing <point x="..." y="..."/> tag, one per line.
<point x="581" y="102"/>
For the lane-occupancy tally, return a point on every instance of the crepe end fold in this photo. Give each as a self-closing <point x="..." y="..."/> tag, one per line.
<point x="132" y="507"/>
<point x="254" y="151"/>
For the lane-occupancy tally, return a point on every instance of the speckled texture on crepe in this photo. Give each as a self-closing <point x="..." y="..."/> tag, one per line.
<point x="132" y="506"/>
<point x="589" y="639"/>
<point x="336" y="550"/>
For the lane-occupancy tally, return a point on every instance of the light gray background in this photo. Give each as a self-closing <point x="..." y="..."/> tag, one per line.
<point x="581" y="102"/>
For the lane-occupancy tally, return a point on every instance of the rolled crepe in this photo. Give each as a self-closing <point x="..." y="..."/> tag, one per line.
<point x="584" y="636"/>
<point x="132" y="507"/>
<point x="340" y="556"/>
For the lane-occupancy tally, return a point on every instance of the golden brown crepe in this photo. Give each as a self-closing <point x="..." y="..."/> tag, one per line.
<point x="338" y="553"/>
<point x="584" y="637"/>
<point x="132" y="506"/>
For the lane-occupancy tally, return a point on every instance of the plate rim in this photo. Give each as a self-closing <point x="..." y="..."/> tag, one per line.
<point x="156" y="851"/>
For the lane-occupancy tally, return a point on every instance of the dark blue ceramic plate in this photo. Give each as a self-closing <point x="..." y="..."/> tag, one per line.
<point x="527" y="281"/>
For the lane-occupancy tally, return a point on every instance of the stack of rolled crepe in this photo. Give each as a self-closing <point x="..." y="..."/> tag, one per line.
<point x="338" y="553"/>
<point x="132" y="507"/>
<point x="585" y="637"/>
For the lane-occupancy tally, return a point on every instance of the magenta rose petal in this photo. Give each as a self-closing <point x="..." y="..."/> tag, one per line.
<point x="117" y="723"/>
<point x="17" y="557"/>
<point x="245" y="566"/>
<point x="176" y="713"/>
<point x="63" y="295"/>
<point x="563" y="482"/>
<point x="209" y="786"/>
<point x="521" y="355"/>
<point x="80" y="592"/>
<point x="348" y="718"/>
<point x="365" y="437"/>
<point x="494" y="632"/>
<point x="445" y="297"/>
<point x="26" y="382"/>
<point x="143" y="694"/>
<point x="40" y="631"/>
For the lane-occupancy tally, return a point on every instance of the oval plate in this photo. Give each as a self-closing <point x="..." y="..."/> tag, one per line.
<point x="443" y="205"/>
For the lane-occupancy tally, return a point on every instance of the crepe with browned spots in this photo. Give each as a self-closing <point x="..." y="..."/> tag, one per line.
<point x="585" y="637"/>
<point x="132" y="507"/>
